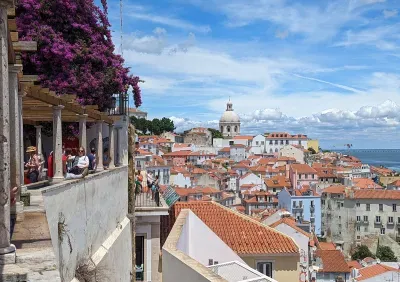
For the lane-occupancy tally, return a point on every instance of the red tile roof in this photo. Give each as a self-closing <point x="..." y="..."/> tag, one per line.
<point x="246" y="137"/>
<point x="241" y="233"/>
<point x="183" y="153"/>
<point x="292" y="223"/>
<point x="335" y="189"/>
<point x="326" y="246"/>
<point x="377" y="194"/>
<point x="366" y="183"/>
<point x="303" y="168"/>
<point x="332" y="261"/>
<point x="395" y="183"/>
<point x="374" y="270"/>
<point x="225" y="150"/>
<point x="354" y="264"/>
<point x="278" y="181"/>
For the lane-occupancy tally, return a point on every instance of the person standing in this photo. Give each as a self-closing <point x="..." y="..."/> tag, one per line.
<point x="145" y="188"/>
<point x="50" y="169"/>
<point x="150" y="182"/>
<point x="92" y="159"/>
<point x="32" y="164"/>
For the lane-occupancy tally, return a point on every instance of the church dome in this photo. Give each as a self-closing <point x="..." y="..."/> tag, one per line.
<point x="229" y="115"/>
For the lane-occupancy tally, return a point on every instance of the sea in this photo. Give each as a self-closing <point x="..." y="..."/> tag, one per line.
<point x="389" y="158"/>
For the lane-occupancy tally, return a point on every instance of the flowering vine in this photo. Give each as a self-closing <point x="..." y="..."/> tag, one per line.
<point x="75" y="50"/>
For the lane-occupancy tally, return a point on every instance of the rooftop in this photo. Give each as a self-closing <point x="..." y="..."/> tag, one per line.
<point x="242" y="234"/>
<point x="373" y="270"/>
<point x="303" y="168"/>
<point x="332" y="261"/>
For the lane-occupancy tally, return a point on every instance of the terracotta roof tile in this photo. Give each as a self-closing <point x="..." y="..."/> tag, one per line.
<point x="183" y="153"/>
<point x="278" y="181"/>
<point x="292" y="223"/>
<point x="335" y="189"/>
<point x="365" y="183"/>
<point x="354" y="264"/>
<point x="377" y="194"/>
<point x="326" y="246"/>
<point x="332" y="261"/>
<point x="241" y="233"/>
<point x="246" y="137"/>
<point x="225" y="150"/>
<point x="303" y="168"/>
<point x="374" y="270"/>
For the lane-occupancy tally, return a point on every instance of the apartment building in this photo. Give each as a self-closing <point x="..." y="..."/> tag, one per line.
<point x="277" y="140"/>
<point x="303" y="204"/>
<point x="350" y="215"/>
<point x="302" y="174"/>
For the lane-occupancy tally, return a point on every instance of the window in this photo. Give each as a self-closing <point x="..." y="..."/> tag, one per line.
<point x="262" y="143"/>
<point x="274" y="190"/>
<point x="380" y="207"/>
<point x="294" y="203"/>
<point x="312" y="176"/>
<point x="382" y="231"/>
<point x="398" y="220"/>
<point x="312" y="203"/>
<point x="299" y="176"/>
<point x="366" y="229"/>
<point x="358" y="228"/>
<point x="236" y="128"/>
<point x="301" y="204"/>
<point x="306" y="176"/>
<point x="378" y="219"/>
<point x="341" y="204"/>
<point x="394" y="206"/>
<point x="323" y="202"/>
<point x="270" y="142"/>
<point x="256" y="143"/>
<point x="338" y="205"/>
<point x="270" y="150"/>
<point x="365" y="217"/>
<point x="340" y="217"/>
<point x="281" y="142"/>
<point x="287" y="142"/>
<point x="228" y="128"/>
<point x="368" y="207"/>
<point x="390" y="219"/>
<point x="358" y="237"/>
<point x="358" y="218"/>
<point x="265" y="268"/>
<point x="276" y="150"/>
<point x="276" y="142"/>
<point x="357" y="205"/>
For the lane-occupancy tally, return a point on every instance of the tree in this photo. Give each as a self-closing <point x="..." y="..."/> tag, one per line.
<point x="361" y="252"/>
<point x="311" y="150"/>
<point x="215" y="133"/>
<point x="75" y="51"/>
<point x="155" y="126"/>
<point x="385" y="253"/>
<point x="167" y="125"/>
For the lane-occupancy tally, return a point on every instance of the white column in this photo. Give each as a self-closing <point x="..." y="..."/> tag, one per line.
<point x="39" y="141"/>
<point x="57" y="144"/>
<point x="5" y="246"/>
<point x="99" y="146"/>
<point x="21" y="140"/>
<point x="82" y="132"/>
<point x="118" y="160"/>
<point x="111" y="147"/>
<point x="15" y="169"/>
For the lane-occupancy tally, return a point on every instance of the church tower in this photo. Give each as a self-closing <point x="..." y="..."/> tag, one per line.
<point x="229" y="124"/>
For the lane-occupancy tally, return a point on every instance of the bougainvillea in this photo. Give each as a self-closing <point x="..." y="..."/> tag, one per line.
<point x="75" y="51"/>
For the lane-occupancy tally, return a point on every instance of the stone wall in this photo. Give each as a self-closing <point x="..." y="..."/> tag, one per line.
<point x="88" y="224"/>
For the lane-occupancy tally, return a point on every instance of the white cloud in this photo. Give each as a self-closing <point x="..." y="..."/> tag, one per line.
<point x="382" y="37"/>
<point x="153" y="44"/>
<point x="330" y="83"/>
<point x="170" y="21"/>
<point x="282" y="34"/>
<point x="389" y="13"/>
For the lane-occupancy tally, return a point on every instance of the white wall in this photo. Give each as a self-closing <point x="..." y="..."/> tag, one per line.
<point x="180" y="180"/>
<point x="92" y="210"/>
<point x="202" y="244"/>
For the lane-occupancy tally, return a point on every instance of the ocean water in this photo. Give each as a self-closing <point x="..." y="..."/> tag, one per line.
<point x="389" y="158"/>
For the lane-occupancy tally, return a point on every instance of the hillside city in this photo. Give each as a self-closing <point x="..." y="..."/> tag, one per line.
<point x="92" y="190"/>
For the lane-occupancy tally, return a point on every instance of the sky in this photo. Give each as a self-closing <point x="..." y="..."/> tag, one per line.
<point x="328" y="69"/>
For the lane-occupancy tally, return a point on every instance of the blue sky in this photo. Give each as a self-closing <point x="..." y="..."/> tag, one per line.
<point x="329" y="69"/>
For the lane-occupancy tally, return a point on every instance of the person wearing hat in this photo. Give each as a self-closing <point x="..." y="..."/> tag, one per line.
<point x="33" y="164"/>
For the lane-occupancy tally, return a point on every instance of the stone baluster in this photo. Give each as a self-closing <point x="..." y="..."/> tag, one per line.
<point x="112" y="146"/>
<point x="82" y="131"/>
<point x="100" y="146"/>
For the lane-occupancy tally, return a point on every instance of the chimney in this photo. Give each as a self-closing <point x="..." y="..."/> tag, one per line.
<point x="210" y="262"/>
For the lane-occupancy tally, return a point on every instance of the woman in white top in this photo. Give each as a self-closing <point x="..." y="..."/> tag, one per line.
<point x="81" y="163"/>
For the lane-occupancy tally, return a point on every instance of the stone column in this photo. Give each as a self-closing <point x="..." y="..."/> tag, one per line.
<point x="112" y="146"/>
<point x="118" y="157"/>
<point x="100" y="146"/>
<point x="39" y="141"/>
<point x="57" y="144"/>
<point x="82" y="132"/>
<point x="15" y="169"/>
<point x="21" y="144"/>
<point x="5" y="246"/>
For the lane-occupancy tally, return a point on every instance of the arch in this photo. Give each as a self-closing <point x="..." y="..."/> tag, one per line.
<point x="276" y="150"/>
<point x="228" y="128"/>
<point x="236" y="128"/>
<point x="270" y="150"/>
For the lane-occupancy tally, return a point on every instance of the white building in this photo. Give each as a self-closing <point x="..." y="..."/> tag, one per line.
<point x="276" y="140"/>
<point x="292" y="152"/>
<point x="135" y="112"/>
<point x="258" y="145"/>
<point x="237" y="153"/>
<point x="229" y="123"/>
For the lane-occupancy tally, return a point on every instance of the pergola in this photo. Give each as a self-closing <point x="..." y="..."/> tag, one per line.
<point x="22" y="101"/>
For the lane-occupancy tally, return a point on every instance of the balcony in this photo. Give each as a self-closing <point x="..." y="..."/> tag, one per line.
<point x="146" y="206"/>
<point x="390" y="223"/>
<point x="297" y="209"/>
<point x="377" y="222"/>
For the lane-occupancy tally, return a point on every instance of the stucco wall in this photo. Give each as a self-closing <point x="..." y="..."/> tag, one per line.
<point x="284" y="268"/>
<point x="177" y="270"/>
<point x="91" y="209"/>
<point x="200" y="243"/>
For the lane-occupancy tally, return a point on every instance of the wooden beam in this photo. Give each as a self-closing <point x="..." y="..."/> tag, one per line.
<point x="12" y="25"/>
<point x="10" y="12"/>
<point x="14" y="36"/>
<point x="22" y="46"/>
<point x="91" y="107"/>
<point x="11" y="51"/>
<point x="28" y="78"/>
